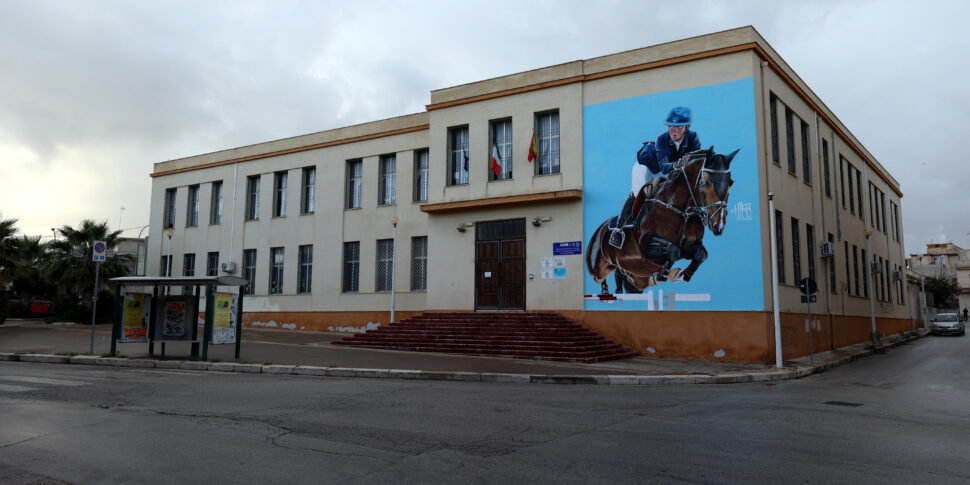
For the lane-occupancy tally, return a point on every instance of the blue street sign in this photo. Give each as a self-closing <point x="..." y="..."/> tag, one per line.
<point x="566" y="248"/>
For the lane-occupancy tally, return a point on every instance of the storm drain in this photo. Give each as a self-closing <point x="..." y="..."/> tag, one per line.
<point x="843" y="403"/>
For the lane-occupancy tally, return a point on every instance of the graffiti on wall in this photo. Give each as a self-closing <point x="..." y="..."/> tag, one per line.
<point x="671" y="211"/>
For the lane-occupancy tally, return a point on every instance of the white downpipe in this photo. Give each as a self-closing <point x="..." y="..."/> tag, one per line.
<point x="774" y="280"/>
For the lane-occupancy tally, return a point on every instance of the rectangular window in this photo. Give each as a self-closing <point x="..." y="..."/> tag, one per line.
<point x="882" y="285"/>
<point x="304" y="284"/>
<point x="796" y="254"/>
<point x="279" y="194"/>
<point x="825" y="169"/>
<point x="851" y="192"/>
<point x="865" y="274"/>
<point x="842" y="179"/>
<point x="832" y="282"/>
<point x="419" y="263"/>
<point x="420" y="175"/>
<point x="308" y="190"/>
<point x="855" y="267"/>
<point x="275" y="271"/>
<point x="500" y="133"/>
<point x="351" y="276"/>
<point x="355" y="170"/>
<point x="165" y="269"/>
<point x="212" y="264"/>
<point x="806" y="165"/>
<point x="387" y="191"/>
<point x="169" y="216"/>
<point x="873" y="221"/>
<point x="385" y="265"/>
<point x="882" y="206"/>
<point x="249" y="271"/>
<point x="188" y="269"/>
<point x="810" y="249"/>
<point x="790" y="139"/>
<point x="895" y="216"/>
<point x="780" y="245"/>
<point x="192" y="216"/>
<point x="848" y="274"/>
<point x="252" y="197"/>
<point x="458" y="155"/>
<point x="547" y="142"/>
<point x="858" y="192"/>
<point x="774" y="129"/>
<point x="215" y="204"/>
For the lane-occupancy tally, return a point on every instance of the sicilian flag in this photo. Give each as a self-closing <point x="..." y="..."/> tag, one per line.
<point x="533" y="152"/>
<point x="496" y="164"/>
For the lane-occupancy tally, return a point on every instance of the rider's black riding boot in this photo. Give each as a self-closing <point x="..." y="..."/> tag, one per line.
<point x="617" y="236"/>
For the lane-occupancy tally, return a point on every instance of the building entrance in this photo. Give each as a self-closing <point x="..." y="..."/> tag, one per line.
<point x="500" y="265"/>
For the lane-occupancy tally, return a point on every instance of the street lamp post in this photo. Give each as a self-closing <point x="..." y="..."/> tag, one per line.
<point x="394" y="222"/>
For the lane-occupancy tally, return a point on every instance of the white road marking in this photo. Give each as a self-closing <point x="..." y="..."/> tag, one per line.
<point x="42" y="380"/>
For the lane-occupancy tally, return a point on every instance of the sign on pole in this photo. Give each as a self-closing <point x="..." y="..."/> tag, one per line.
<point x="98" y="253"/>
<point x="809" y="287"/>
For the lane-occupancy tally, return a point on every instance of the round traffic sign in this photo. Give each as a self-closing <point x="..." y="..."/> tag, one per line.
<point x="808" y="286"/>
<point x="99" y="247"/>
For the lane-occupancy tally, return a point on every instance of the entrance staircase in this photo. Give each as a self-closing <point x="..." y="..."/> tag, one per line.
<point x="525" y="335"/>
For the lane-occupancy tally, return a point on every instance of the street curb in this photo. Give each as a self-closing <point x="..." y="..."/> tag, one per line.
<point x="790" y="372"/>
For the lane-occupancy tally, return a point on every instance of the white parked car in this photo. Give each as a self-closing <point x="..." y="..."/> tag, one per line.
<point x="947" y="324"/>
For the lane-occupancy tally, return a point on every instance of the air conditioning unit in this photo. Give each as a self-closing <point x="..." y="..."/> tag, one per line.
<point x="826" y="250"/>
<point x="228" y="267"/>
<point x="875" y="268"/>
<point x="897" y="275"/>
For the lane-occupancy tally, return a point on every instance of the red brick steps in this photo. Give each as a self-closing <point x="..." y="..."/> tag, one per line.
<point x="533" y="335"/>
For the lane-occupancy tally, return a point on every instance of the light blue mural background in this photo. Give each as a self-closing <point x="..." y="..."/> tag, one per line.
<point x="723" y="116"/>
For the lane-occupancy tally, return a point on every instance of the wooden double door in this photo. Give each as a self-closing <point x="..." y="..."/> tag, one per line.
<point x="500" y="265"/>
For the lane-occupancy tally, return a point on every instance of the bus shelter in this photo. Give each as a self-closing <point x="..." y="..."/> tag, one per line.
<point x="146" y="311"/>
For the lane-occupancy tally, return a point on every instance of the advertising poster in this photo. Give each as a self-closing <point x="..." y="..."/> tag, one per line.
<point x="174" y="318"/>
<point x="135" y="318"/>
<point x="671" y="205"/>
<point x="224" y="319"/>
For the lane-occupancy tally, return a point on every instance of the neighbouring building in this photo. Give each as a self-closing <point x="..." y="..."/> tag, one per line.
<point x="308" y="220"/>
<point x="948" y="260"/>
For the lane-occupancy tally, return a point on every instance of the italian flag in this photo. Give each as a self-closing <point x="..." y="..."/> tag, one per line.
<point x="496" y="164"/>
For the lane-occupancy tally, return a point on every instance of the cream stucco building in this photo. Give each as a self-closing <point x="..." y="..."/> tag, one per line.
<point x="308" y="219"/>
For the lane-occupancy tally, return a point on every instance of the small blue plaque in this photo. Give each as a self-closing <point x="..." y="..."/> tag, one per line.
<point x="566" y="248"/>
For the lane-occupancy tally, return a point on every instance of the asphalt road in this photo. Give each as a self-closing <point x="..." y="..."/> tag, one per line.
<point x="898" y="417"/>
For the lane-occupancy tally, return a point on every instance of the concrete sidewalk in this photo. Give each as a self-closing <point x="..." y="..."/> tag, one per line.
<point x="295" y="352"/>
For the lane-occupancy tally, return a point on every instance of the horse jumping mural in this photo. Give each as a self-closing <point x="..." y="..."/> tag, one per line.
<point x="670" y="221"/>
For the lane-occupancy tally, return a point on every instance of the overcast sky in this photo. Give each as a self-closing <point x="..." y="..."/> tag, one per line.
<point x="92" y="93"/>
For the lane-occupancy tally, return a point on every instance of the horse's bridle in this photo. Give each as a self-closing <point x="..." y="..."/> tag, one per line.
<point x="699" y="208"/>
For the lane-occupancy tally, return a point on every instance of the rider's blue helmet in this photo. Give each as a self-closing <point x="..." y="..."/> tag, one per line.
<point x="679" y="116"/>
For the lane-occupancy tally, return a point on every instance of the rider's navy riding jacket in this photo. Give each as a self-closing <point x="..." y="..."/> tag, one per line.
<point x="660" y="156"/>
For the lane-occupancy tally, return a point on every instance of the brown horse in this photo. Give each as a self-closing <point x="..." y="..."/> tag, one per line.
<point x="670" y="224"/>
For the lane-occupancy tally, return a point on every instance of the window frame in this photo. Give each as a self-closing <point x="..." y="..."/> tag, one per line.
<point x="780" y="245"/>
<point x="252" y="197"/>
<point x="280" y="181"/>
<point x="350" y="276"/>
<point x="304" y="285"/>
<point x="775" y="149"/>
<point x="806" y="153"/>
<point x="192" y="208"/>
<point x="209" y="267"/>
<point x="168" y="218"/>
<point x="419" y="263"/>
<point x="790" y="139"/>
<point x="277" y="260"/>
<point x="249" y="271"/>
<point x="308" y="190"/>
<point x="545" y="142"/>
<point x="385" y="263"/>
<point x="796" y="253"/>
<point x="387" y="180"/>
<point x="215" y="203"/>
<point x="827" y="172"/>
<point x="503" y="141"/>
<point x="354" y="189"/>
<point x="421" y="173"/>
<point x="457" y="150"/>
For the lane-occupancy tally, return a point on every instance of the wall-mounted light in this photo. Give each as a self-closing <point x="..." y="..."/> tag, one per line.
<point x="536" y="222"/>
<point x="460" y="228"/>
<point x="539" y="220"/>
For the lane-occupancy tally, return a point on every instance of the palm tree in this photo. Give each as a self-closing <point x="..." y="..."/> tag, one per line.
<point x="28" y="261"/>
<point x="8" y="245"/>
<point x="70" y="264"/>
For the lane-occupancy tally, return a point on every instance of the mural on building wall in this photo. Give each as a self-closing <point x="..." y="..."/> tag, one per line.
<point x="671" y="211"/>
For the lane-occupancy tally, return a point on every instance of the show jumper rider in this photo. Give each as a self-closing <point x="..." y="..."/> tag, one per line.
<point x="655" y="159"/>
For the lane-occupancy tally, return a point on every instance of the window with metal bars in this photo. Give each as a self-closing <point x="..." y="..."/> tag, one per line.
<point x="215" y="205"/>
<point x="458" y="155"/>
<point x="385" y="265"/>
<point x="832" y="282"/>
<point x="192" y="217"/>
<point x="279" y="194"/>
<point x="420" y="176"/>
<point x="500" y="133"/>
<point x="865" y="274"/>
<point x="275" y="271"/>
<point x="796" y="254"/>
<point x="308" y="194"/>
<point x="351" y="271"/>
<point x="547" y="142"/>
<point x="810" y="249"/>
<point x="387" y="192"/>
<point x="212" y="264"/>
<point x="780" y="245"/>
<point x="249" y="271"/>
<point x="419" y="263"/>
<point x="304" y="285"/>
<point x="354" y="173"/>
<point x="855" y="266"/>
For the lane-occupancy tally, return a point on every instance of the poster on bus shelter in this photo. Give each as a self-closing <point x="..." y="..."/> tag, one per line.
<point x="671" y="201"/>
<point x="136" y="316"/>
<point x="224" y="318"/>
<point x="174" y="318"/>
